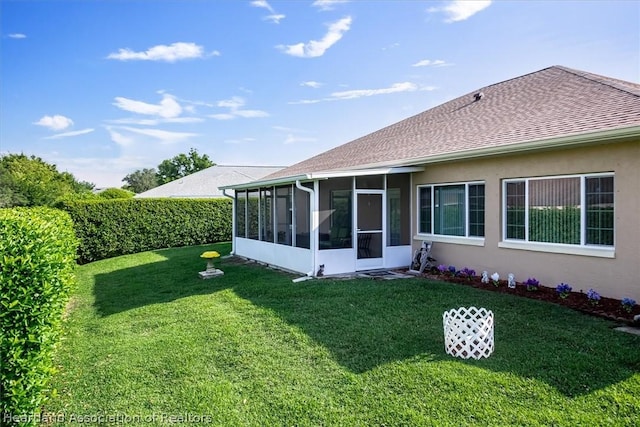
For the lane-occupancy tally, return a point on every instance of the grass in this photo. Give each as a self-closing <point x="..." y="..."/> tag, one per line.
<point x="146" y="337"/>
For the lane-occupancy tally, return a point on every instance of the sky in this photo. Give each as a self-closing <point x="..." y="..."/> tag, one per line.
<point x="104" y="88"/>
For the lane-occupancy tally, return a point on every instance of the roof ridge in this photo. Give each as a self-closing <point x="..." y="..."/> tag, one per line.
<point x="617" y="84"/>
<point x="511" y="79"/>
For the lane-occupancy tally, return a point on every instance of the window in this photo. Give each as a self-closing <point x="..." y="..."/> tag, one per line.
<point x="570" y="210"/>
<point x="398" y="210"/>
<point x="266" y="214"/>
<point x="283" y="215"/>
<point x="336" y="213"/>
<point x="241" y="213"/>
<point x="476" y="209"/>
<point x="451" y="210"/>
<point x="253" y="211"/>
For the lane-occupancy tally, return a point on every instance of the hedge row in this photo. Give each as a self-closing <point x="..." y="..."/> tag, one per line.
<point x="108" y="228"/>
<point x="37" y="261"/>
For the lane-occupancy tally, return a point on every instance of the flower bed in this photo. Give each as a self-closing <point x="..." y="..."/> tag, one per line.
<point x="580" y="300"/>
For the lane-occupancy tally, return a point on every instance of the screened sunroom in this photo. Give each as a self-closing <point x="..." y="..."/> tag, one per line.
<point x="337" y="223"/>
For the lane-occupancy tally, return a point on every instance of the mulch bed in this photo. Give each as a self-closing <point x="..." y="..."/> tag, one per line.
<point x="609" y="308"/>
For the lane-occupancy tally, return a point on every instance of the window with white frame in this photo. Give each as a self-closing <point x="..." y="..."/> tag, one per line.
<point x="571" y="210"/>
<point x="451" y="209"/>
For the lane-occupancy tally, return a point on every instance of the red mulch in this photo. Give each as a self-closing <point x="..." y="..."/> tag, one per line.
<point x="609" y="308"/>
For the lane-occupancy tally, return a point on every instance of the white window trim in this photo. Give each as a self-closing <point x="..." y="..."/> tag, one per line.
<point x="444" y="238"/>
<point x="458" y="240"/>
<point x="559" y="248"/>
<point x="583" y="248"/>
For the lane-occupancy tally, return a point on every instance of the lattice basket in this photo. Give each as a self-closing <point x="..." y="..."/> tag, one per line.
<point x="468" y="332"/>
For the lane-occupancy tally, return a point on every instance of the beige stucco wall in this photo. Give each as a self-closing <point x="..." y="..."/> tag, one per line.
<point x="613" y="277"/>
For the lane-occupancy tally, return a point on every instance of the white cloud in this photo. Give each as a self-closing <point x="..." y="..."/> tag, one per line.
<point x="430" y="63"/>
<point x="317" y="48"/>
<point x="171" y="53"/>
<point x="391" y="46"/>
<point x="154" y="122"/>
<point x="312" y="84"/>
<point x="327" y="4"/>
<point x="119" y="138"/>
<point x="292" y="135"/>
<point x="17" y="36"/>
<point x="164" y="136"/>
<point x="249" y="114"/>
<point x="273" y="17"/>
<point x="54" y="123"/>
<point x="235" y="105"/>
<point x="239" y="141"/>
<point x="223" y="116"/>
<point x="132" y="121"/>
<point x="292" y="139"/>
<point x="183" y="120"/>
<point x="459" y="10"/>
<point x="263" y="4"/>
<point x="359" y="93"/>
<point x="72" y="133"/>
<point x="167" y="108"/>
<point x="286" y="129"/>
<point x="308" y="101"/>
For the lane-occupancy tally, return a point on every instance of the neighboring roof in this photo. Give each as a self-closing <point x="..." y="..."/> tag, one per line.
<point x="205" y="183"/>
<point x="550" y="104"/>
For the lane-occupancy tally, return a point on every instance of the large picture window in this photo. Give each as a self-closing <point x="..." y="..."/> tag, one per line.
<point x="570" y="210"/>
<point x="452" y="209"/>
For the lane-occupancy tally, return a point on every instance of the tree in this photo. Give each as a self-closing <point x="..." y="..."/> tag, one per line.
<point x="115" y="193"/>
<point x="182" y="165"/>
<point x="141" y="180"/>
<point x="30" y="181"/>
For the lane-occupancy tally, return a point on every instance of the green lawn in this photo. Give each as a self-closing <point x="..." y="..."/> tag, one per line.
<point x="146" y="337"/>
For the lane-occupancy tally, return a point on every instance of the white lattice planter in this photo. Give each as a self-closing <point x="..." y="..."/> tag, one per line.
<point x="468" y="332"/>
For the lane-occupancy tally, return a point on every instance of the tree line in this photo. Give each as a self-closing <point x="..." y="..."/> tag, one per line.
<point x="168" y="170"/>
<point x="30" y="181"/>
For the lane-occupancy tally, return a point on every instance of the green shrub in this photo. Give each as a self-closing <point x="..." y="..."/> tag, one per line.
<point x="116" y="193"/>
<point x="108" y="228"/>
<point x="37" y="261"/>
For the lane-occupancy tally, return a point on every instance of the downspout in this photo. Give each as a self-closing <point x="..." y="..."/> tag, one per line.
<point x="313" y="226"/>
<point x="233" y="220"/>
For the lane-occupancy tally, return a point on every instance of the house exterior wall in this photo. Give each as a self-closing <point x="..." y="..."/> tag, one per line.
<point x="615" y="277"/>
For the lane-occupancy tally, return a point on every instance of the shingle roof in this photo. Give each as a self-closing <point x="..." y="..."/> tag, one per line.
<point x="550" y="103"/>
<point x="205" y="183"/>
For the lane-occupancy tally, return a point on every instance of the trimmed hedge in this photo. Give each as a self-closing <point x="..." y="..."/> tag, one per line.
<point x="37" y="262"/>
<point x="108" y="228"/>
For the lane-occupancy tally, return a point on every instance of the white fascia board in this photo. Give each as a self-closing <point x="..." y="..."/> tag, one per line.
<point x="267" y="183"/>
<point x="324" y="175"/>
<point x="363" y="172"/>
